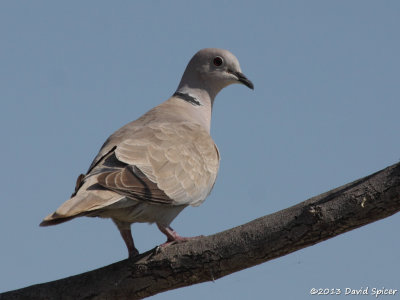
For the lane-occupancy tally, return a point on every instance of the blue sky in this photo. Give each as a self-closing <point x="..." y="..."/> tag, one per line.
<point x="325" y="111"/>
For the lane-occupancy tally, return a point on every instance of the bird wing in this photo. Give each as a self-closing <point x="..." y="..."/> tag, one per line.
<point x="181" y="159"/>
<point x="161" y="163"/>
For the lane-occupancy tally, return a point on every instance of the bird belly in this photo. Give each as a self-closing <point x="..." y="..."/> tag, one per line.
<point x="128" y="210"/>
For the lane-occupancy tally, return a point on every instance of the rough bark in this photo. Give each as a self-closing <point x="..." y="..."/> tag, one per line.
<point x="208" y="258"/>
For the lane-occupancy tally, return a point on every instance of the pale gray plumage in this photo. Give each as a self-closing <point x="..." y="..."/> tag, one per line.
<point x="152" y="168"/>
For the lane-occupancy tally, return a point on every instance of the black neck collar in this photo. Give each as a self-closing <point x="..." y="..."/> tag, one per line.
<point x="192" y="100"/>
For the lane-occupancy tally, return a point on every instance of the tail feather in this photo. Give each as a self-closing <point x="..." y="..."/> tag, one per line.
<point x="85" y="203"/>
<point x="54" y="221"/>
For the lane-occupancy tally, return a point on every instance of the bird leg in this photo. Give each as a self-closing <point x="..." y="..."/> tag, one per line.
<point x="125" y="231"/>
<point x="127" y="236"/>
<point x="172" y="235"/>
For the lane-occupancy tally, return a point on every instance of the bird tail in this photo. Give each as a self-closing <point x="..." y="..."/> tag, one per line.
<point x="53" y="219"/>
<point x="83" y="204"/>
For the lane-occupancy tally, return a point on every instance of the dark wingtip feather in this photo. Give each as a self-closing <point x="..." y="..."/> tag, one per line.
<point x="55" y="221"/>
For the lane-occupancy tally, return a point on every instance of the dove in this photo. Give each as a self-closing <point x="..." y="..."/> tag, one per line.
<point x="149" y="170"/>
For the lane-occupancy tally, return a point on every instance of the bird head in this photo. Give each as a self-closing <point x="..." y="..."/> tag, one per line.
<point x="213" y="69"/>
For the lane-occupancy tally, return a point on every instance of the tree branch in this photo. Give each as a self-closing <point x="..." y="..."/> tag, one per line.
<point x="358" y="203"/>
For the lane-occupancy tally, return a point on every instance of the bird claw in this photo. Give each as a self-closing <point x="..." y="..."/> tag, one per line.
<point x="179" y="239"/>
<point x="133" y="253"/>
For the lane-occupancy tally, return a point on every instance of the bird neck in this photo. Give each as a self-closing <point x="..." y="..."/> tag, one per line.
<point x="198" y="87"/>
<point x="197" y="96"/>
<point x="198" y="105"/>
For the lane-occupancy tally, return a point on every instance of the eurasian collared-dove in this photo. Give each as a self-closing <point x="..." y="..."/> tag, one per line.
<point x="152" y="168"/>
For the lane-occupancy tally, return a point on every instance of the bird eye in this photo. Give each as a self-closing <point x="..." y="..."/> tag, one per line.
<point x="218" y="61"/>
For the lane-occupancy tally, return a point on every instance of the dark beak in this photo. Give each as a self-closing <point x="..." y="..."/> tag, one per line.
<point x="243" y="79"/>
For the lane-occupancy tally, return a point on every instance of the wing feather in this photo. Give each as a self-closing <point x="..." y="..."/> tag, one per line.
<point x="161" y="163"/>
<point x="180" y="158"/>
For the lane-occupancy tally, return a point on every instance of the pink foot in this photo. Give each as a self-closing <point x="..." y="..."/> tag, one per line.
<point x="180" y="239"/>
<point x="173" y="237"/>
